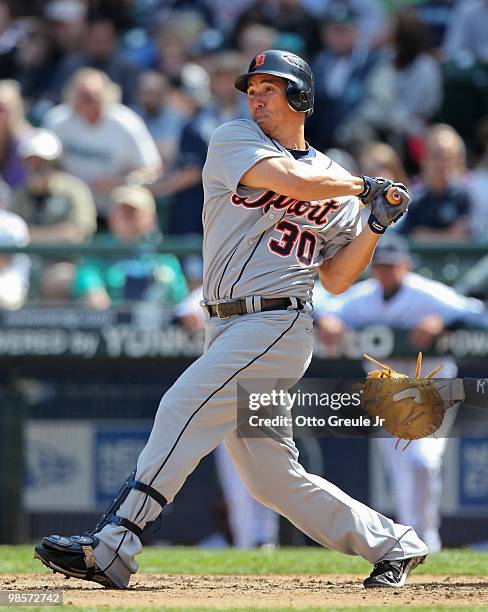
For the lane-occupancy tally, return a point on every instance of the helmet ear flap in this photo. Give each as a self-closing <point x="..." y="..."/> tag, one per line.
<point x="297" y="98"/>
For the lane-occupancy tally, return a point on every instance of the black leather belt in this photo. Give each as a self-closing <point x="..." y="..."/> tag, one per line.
<point x="227" y="309"/>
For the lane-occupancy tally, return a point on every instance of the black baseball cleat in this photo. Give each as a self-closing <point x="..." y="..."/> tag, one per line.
<point x="72" y="556"/>
<point x="392" y="573"/>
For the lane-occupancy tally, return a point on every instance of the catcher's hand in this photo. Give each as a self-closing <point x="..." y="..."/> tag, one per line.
<point x="411" y="408"/>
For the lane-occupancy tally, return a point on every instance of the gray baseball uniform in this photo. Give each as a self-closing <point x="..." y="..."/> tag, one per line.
<point x="257" y="245"/>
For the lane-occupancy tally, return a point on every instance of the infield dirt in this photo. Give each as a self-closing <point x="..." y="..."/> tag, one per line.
<point x="254" y="592"/>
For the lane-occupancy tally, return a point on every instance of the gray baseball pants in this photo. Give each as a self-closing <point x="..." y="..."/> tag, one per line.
<point x="199" y="411"/>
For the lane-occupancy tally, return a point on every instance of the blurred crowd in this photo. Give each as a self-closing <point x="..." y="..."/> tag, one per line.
<point x="107" y="107"/>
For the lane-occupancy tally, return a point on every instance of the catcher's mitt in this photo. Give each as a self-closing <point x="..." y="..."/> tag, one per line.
<point x="412" y="408"/>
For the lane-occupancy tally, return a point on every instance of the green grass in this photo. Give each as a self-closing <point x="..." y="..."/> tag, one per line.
<point x="181" y="560"/>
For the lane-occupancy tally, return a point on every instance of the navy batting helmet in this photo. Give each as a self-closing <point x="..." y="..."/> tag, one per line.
<point x="292" y="68"/>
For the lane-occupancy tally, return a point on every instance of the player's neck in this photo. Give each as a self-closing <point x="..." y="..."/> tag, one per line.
<point x="293" y="139"/>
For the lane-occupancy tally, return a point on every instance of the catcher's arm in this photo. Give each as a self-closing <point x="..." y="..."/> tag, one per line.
<point x="473" y="392"/>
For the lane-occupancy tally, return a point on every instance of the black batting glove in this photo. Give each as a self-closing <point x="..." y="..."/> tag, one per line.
<point x="372" y="188"/>
<point x="383" y="213"/>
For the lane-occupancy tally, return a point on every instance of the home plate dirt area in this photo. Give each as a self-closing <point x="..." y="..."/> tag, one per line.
<point x="254" y="592"/>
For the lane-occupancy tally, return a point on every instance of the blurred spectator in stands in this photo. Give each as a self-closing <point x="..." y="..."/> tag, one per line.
<point x="371" y="17"/>
<point x="226" y="103"/>
<point x="13" y="126"/>
<point x="175" y="39"/>
<point x="149" y="277"/>
<point x="11" y="35"/>
<point x="401" y="299"/>
<point x="437" y="16"/>
<point x="474" y="281"/>
<point x="254" y="38"/>
<point x="101" y="52"/>
<point x="56" y="206"/>
<point x="354" y="90"/>
<point x="289" y="17"/>
<point x="224" y="14"/>
<point x="417" y="84"/>
<point x="210" y="107"/>
<point x="380" y="159"/>
<point x="441" y="201"/>
<point x="14" y="269"/>
<point x="467" y="34"/>
<point x="478" y="184"/>
<point x="148" y="12"/>
<point x="66" y="21"/>
<point x="183" y="183"/>
<point x="163" y="120"/>
<point x="35" y="66"/>
<point x="103" y="141"/>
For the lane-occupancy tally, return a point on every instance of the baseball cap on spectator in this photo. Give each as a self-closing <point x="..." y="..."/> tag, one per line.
<point x="392" y="249"/>
<point x="135" y="196"/>
<point x="65" y="11"/>
<point x="341" y="13"/>
<point x="41" y="143"/>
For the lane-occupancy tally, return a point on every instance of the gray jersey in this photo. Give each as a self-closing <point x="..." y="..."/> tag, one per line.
<point x="257" y="242"/>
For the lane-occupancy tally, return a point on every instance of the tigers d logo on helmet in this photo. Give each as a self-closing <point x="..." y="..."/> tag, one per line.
<point x="260" y="59"/>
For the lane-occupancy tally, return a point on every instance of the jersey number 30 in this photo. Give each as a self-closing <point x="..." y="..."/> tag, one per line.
<point x="291" y="234"/>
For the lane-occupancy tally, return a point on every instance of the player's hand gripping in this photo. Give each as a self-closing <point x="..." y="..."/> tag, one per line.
<point x="388" y="202"/>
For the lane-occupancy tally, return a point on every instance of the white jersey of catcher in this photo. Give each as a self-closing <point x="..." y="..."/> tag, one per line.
<point x="258" y="242"/>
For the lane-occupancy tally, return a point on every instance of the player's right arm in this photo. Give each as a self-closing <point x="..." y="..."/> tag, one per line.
<point x="239" y="154"/>
<point x="300" y="181"/>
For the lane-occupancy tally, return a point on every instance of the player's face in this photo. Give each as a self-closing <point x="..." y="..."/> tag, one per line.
<point x="268" y="105"/>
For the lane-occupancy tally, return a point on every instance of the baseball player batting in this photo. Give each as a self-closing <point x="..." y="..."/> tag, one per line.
<point x="276" y="211"/>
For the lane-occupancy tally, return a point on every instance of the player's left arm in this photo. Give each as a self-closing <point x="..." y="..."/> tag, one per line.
<point x="340" y="271"/>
